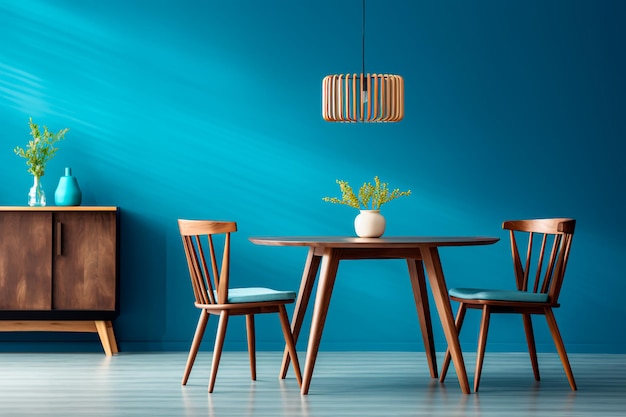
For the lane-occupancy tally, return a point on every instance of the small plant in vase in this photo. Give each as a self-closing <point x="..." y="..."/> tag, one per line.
<point x="38" y="152"/>
<point x="370" y="198"/>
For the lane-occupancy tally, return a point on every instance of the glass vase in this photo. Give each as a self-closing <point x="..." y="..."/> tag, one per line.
<point x="36" y="195"/>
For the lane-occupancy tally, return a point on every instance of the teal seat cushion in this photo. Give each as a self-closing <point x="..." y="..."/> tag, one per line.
<point x="257" y="295"/>
<point x="500" y="295"/>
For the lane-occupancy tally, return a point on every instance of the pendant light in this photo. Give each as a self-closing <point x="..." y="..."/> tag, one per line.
<point x="369" y="98"/>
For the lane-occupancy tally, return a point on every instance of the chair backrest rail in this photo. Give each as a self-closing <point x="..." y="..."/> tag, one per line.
<point x="205" y="285"/>
<point x="222" y="286"/>
<point x="544" y="239"/>
<point x="556" y="288"/>
<point x="204" y="264"/>
<point x="552" y="268"/>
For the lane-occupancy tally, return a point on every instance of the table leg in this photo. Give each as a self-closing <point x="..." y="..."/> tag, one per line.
<point x="432" y="262"/>
<point x="328" y="273"/>
<point x="418" y="282"/>
<point x="304" y="294"/>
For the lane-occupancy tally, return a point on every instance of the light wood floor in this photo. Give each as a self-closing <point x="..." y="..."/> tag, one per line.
<point x="344" y="384"/>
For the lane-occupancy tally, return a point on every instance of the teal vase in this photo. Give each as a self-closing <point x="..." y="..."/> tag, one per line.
<point x="68" y="192"/>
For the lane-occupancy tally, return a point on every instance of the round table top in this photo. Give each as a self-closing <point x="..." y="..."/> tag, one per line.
<point x="379" y="242"/>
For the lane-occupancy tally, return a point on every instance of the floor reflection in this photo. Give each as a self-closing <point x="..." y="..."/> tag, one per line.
<point x="344" y="384"/>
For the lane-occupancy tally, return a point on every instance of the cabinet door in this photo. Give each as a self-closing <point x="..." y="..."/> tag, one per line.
<point x="25" y="259"/>
<point x="84" y="261"/>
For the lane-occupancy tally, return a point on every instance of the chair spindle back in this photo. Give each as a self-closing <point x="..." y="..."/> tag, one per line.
<point x="197" y="237"/>
<point x="546" y="276"/>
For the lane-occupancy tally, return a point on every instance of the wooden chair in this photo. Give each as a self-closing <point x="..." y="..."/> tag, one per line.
<point x="537" y="292"/>
<point x="213" y="295"/>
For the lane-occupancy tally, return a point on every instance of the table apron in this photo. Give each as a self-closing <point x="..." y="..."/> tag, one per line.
<point x="370" y="253"/>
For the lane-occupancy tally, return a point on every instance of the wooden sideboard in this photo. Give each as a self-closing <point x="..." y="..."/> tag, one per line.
<point x="59" y="270"/>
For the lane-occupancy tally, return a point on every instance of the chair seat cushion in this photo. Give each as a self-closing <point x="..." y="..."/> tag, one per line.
<point x="499" y="295"/>
<point x="257" y="295"/>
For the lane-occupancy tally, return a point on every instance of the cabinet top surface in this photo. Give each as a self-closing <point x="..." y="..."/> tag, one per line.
<point x="58" y="208"/>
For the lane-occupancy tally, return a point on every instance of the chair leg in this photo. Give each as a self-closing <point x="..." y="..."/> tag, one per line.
<point x="195" y="344"/>
<point x="217" y="350"/>
<point x="460" y="315"/>
<point x="291" y="345"/>
<point x="482" y="343"/>
<point x="560" y="347"/>
<point x="251" y="344"/>
<point x="530" y="339"/>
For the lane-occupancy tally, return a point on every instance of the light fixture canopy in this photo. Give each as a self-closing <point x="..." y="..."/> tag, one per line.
<point x="363" y="97"/>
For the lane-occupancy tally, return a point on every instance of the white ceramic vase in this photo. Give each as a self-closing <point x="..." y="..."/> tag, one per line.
<point x="369" y="223"/>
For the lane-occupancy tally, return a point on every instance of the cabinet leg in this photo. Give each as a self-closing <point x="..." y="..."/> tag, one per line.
<point x="107" y="337"/>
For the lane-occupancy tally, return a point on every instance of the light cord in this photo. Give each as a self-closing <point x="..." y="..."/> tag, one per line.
<point x="363" y="37"/>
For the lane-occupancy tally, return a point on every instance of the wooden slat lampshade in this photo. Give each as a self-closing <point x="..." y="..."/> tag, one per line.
<point x="359" y="98"/>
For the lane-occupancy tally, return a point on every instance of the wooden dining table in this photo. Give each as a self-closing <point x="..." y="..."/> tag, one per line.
<point x="420" y="252"/>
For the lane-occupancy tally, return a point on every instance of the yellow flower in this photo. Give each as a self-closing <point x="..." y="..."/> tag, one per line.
<point x="370" y="197"/>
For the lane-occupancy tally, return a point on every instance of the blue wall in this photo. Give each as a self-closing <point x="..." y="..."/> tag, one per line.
<point x="211" y="109"/>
